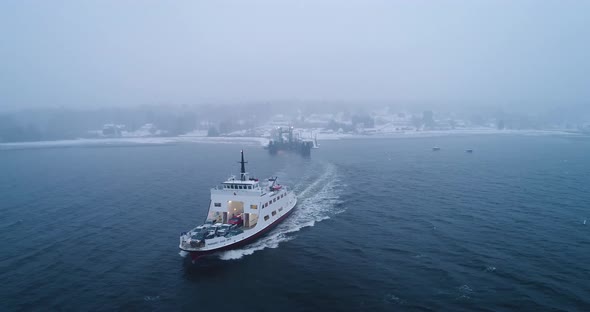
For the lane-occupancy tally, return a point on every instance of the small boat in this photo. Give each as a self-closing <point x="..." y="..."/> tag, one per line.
<point x="436" y="149"/>
<point x="315" y="142"/>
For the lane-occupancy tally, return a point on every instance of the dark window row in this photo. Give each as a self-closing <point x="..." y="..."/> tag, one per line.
<point x="237" y="187"/>
<point x="273" y="200"/>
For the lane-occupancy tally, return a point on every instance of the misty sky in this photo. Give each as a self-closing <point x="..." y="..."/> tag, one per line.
<point x="115" y="53"/>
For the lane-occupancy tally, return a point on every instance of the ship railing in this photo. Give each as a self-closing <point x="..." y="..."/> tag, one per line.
<point x="186" y="242"/>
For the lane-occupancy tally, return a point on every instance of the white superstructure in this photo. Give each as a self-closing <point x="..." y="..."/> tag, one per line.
<point x="240" y="210"/>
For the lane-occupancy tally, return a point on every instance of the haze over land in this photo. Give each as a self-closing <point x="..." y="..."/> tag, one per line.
<point x="70" y="67"/>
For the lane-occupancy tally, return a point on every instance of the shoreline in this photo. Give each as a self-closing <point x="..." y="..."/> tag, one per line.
<point x="436" y="133"/>
<point x="261" y="141"/>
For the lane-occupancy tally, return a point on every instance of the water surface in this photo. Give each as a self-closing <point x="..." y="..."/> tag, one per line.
<point x="381" y="225"/>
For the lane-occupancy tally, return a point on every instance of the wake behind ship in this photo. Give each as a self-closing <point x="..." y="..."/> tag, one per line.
<point x="240" y="211"/>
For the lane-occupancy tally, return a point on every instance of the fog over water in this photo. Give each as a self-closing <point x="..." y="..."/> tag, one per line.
<point x="437" y="152"/>
<point x="517" y="55"/>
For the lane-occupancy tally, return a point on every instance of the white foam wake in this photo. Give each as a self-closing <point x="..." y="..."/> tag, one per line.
<point x="318" y="201"/>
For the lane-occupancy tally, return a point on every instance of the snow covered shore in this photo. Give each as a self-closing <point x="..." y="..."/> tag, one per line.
<point x="260" y="141"/>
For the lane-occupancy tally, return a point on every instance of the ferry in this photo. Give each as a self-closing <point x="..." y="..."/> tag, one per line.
<point x="290" y="143"/>
<point x="241" y="210"/>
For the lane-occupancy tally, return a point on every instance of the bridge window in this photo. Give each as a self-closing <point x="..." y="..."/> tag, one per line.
<point x="280" y="209"/>
<point x="265" y="217"/>
<point x="274" y="212"/>
<point x="217" y="204"/>
<point x="253" y="206"/>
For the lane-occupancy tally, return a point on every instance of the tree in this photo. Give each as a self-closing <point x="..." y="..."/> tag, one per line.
<point x="428" y="119"/>
<point x="212" y="132"/>
<point x="417" y="122"/>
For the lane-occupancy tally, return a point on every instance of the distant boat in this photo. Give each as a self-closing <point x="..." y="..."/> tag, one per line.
<point x="436" y="149"/>
<point x="315" y="142"/>
<point x="290" y="143"/>
<point x="469" y="151"/>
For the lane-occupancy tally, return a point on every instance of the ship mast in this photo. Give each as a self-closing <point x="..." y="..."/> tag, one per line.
<point x="243" y="168"/>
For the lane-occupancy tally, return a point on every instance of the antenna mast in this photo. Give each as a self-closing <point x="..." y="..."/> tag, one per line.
<point x="243" y="168"/>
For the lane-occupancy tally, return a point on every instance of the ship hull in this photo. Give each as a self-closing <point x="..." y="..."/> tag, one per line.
<point x="201" y="253"/>
<point x="302" y="148"/>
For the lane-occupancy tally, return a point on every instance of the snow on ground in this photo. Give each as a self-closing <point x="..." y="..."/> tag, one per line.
<point x="196" y="133"/>
<point x="261" y="141"/>
<point x="324" y="136"/>
<point x="134" y="141"/>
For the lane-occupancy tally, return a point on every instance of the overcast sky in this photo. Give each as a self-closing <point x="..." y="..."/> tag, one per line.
<point x="125" y="53"/>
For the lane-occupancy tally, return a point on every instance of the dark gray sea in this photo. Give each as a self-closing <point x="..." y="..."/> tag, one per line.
<point x="381" y="225"/>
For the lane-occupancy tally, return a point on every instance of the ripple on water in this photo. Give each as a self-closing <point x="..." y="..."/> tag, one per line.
<point x="109" y="241"/>
<point x="393" y="299"/>
<point x="465" y="292"/>
<point x="151" y="298"/>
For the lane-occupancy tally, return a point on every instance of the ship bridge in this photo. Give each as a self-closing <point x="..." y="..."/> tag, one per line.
<point x="244" y="182"/>
<point x="233" y="184"/>
<point x="237" y="197"/>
